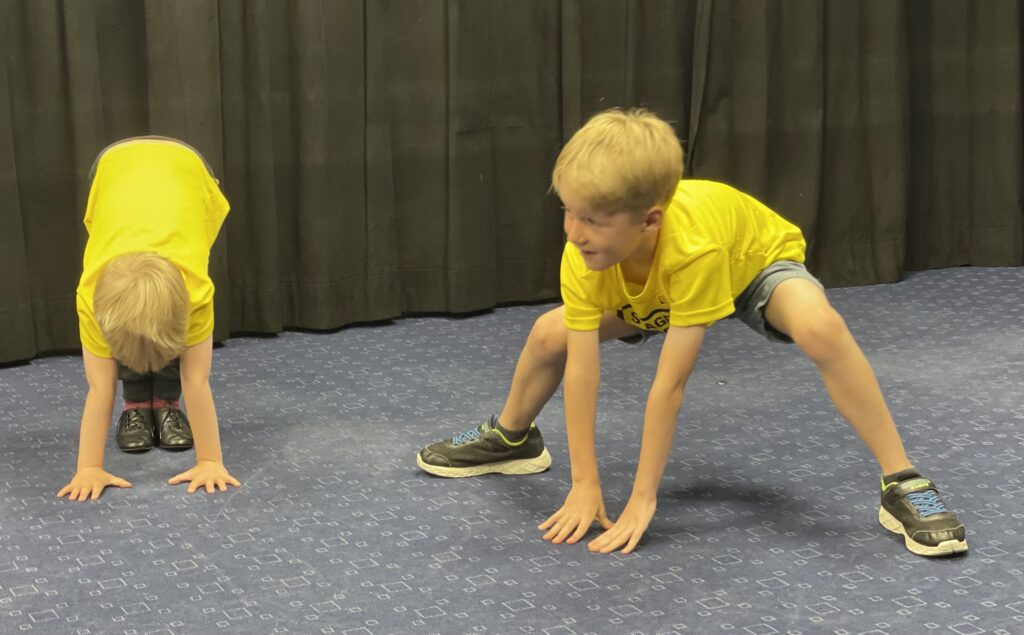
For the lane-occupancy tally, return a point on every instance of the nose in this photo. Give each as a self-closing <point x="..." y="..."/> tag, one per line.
<point x="572" y="231"/>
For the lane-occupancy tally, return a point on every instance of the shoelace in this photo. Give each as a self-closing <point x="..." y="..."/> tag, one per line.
<point x="469" y="435"/>
<point x="175" y="421"/>
<point x="927" y="503"/>
<point x="134" y="422"/>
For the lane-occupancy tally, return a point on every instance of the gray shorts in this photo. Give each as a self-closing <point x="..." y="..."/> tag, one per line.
<point x="751" y="302"/>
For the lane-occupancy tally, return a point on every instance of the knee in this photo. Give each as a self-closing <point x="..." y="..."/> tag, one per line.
<point x="821" y="334"/>
<point x="549" y="336"/>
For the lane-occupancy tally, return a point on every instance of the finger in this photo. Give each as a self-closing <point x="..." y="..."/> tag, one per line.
<point x="221" y="485"/>
<point x="120" y="482"/>
<point x="607" y="541"/>
<point x="64" y="490"/>
<point x="550" y="521"/>
<point x="209" y="487"/>
<point x="581" y="530"/>
<point x="602" y="519"/>
<point x="555" y="528"/>
<point x="96" y="491"/>
<point x="234" y="481"/>
<point x="615" y="541"/>
<point x="192" y="486"/>
<point x="76" y="494"/>
<point x="566" y="530"/>
<point x="181" y="478"/>
<point x="633" y="540"/>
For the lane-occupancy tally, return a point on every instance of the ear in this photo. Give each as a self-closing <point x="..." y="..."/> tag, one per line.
<point x="653" y="218"/>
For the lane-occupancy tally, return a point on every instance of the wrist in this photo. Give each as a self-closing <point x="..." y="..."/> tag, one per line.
<point x="645" y="494"/>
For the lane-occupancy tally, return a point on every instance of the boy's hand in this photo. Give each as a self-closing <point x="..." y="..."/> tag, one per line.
<point x="208" y="474"/>
<point x="582" y="506"/>
<point x="629" y="527"/>
<point x="89" y="482"/>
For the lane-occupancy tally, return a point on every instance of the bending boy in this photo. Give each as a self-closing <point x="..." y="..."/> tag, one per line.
<point x="145" y="310"/>
<point x="648" y="252"/>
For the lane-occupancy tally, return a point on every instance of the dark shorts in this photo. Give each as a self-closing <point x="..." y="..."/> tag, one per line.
<point x="751" y="302"/>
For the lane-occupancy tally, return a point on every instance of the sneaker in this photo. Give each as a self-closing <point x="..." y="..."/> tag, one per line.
<point x="172" y="429"/>
<point x="912" y="508"/>
<point x="485" y="450"/>
<point x="135" y="430"/>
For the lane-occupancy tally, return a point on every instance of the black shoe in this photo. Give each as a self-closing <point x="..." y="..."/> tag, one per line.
<point x="911" y="507"/>
<point x="173" y="431"/>
<point x="135" y="430"/>
<point x="485" y="450"/>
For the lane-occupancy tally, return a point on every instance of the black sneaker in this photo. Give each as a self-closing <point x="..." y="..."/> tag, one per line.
<point x="173" y="430"/>
<point x="911" y="507"/>
<point x="485" y="450"/>
<point x="135" y="430"/>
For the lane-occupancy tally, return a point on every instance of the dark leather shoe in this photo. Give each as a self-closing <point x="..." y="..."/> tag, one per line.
<point x="173" y="431"/>
<point x="135" y="430"/>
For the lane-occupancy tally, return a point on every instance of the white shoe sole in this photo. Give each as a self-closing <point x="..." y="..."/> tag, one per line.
<point x="945" y="548"/>
<point x="516" y="466"/>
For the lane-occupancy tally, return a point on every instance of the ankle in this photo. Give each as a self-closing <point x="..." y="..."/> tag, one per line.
<point x="138" y="405"/>
<point x="166" y="403"/>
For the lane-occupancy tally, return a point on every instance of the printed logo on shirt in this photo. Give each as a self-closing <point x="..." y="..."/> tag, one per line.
<point x="656" y="320"/>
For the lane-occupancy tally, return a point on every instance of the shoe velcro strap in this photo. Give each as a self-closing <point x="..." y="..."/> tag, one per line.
<point x="914" y="485"/>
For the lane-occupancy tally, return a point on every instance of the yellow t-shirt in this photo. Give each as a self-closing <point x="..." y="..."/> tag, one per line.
<point x="713" y="242"/>
<point x="151" y="195"/>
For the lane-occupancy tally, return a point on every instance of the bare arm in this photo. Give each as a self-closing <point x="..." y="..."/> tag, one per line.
<point x="582" y="380"/>
<point x="678" y="357"/>
<point x="584" y="503"/>
<point x="90" y="478"/>
<point x="209" y="470"/>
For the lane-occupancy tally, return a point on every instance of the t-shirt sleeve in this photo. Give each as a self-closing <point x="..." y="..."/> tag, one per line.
<point x="700" y="290"/>
<point x="581" y="312"/>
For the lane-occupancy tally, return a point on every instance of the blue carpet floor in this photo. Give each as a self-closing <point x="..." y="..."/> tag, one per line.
<point x="766" y="520"/>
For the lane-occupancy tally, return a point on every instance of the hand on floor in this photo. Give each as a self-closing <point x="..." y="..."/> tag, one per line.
<point x="208" y="474"/>
<point x="89" y="482"/>
<point x="629" y="527"/>
<point x="583" y="505"/>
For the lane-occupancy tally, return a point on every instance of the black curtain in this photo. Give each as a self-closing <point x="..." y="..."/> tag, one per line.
<point x="392" y="156"/>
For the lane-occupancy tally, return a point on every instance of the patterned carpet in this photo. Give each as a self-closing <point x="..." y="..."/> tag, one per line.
<point x="766" y="521"/>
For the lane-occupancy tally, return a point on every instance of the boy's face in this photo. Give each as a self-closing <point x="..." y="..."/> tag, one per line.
<point x="604" y="240"/>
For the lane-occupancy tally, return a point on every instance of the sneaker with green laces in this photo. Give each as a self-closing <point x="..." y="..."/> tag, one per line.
<point x="485" y="450"/>
<point x="911" y="507"/>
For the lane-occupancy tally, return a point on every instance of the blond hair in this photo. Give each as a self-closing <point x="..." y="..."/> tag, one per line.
<point x="621" y="160"/>
<point x="141" y="305"/>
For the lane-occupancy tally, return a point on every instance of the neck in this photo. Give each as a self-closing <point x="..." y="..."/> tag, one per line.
<point x="637" y="265"/>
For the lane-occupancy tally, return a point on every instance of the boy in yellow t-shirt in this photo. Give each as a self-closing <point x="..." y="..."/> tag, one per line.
<point x="145" y="310"/>
<point x="648" y="252"/>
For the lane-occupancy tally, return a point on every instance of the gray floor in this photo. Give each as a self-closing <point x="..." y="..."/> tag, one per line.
<point x="766" y="521"/>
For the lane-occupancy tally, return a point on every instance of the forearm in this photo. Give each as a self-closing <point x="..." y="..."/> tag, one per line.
<point x="203" y="416"/>
<point x="92" y="436"/>
<point x="582" y="380"/>
<point x="663" y="403"/>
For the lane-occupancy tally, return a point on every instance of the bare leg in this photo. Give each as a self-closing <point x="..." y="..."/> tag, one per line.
<point x="800" y="309"/>
<point x="542" y="363"/>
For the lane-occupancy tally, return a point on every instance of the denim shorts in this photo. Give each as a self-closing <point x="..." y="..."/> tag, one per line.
<point x="751" y="302"/>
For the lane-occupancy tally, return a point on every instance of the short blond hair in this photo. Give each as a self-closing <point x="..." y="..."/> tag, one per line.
<point x="141" y="305"/>
<point x="621" y="160"/>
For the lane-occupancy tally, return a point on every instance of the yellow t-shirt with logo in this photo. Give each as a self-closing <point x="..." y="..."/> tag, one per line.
<point x="151" y="195"/>
<point x="713" y="242"/>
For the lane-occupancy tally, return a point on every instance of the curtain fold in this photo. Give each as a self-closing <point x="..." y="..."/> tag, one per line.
<point x="394" y="156"/>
